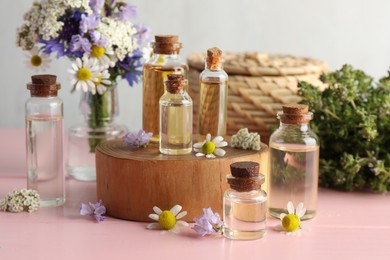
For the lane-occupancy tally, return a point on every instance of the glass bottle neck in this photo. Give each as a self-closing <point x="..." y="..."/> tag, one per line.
<point x="299" y="127"/>
<point x="213" y="67"/>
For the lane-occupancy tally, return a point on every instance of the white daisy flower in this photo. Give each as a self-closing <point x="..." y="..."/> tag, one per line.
<point x="105" y="56"/>
<point x="291" y="222"/>
<point x="102" y="83"/>
<point x="208" y="148"/>
<point x="85" y="73"/>
<point x="168" y="219"/>
<point x="38" y="60"/>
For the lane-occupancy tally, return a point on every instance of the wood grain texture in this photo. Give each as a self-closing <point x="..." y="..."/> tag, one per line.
<point x="131" y="181"/>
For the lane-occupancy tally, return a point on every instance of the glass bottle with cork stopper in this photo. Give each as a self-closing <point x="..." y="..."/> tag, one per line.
<point x="44" y="140"/>
<point x="213" y="96"/>
<point x="245" y="203"/>
<point x="294" y="162"/>
<point x="165" y="60"/>
<point x="175" y="117"/>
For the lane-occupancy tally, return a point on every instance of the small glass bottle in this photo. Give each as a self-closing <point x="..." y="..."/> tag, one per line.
<point x="175" y="117"/>
<point x="44" y="140"/>
<point x="165" y="60"/>
<point x="294" y="162"/>
<point x="213" y="96"/>
<point x="245" y="204"/>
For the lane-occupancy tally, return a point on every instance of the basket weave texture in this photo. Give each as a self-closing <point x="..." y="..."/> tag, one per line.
<point x="259" y="84"/>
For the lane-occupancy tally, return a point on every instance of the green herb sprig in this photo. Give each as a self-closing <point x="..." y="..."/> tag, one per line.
<point x="352" y="120"/>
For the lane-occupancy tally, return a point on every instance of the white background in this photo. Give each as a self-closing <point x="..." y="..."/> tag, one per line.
<point x="336" y="31"/>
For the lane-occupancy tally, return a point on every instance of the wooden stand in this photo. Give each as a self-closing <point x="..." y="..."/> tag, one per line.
<point x="131" y="181"/>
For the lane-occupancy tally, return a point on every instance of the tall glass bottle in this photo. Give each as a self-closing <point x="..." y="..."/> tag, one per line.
<point x="175" y="117"/>
<point x="44" y="140"/>
<point x="165" y="60"/>
<point x="294" y="162"/>
<point x="245" y="203"/>
<point x="213" y="96"/>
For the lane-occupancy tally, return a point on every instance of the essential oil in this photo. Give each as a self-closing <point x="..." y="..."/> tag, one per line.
<point x="165" y="61"/>
<point x="175" y="117"/>
<point x="245" y="204"/>
<point x="294" y="170"/>
<point x="213" y="96"/>
<point x="294" y="163"/>
<point x="44" y="140"/>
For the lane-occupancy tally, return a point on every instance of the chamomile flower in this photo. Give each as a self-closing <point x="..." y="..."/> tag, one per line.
<point x="103" y="56"/>
<point x="210" y="148"/>
<point x="168" y="219"/>
<point x="103" y="81"/>
<point x="85" y="72"/>
<point x="291" y="222"/>
<point x="37" y="60"/>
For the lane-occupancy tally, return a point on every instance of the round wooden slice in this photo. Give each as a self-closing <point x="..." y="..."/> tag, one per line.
<point x="132" y="181"/>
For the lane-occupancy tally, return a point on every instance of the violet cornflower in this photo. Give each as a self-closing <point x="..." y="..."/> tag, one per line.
<point x="139" y="139"/>
<point x="208" y="223"/>
<point x="89" y="22"/>
<point x="126" y="13"/>
<point x="80" y="44"/>
<point x="96" y="5"/>
<point x="143" y="33"/>
<point x="94" y="210"/>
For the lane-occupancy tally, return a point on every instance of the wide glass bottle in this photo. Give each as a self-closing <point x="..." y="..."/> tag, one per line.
<point x="175" y="117"/>
<point x="44" y="140"/>
<point x="165" y="60"/>
<point x="294" y="162"/>
<point x="245" y="203"/>
<point x="213" y="96"/>
<point x="99" y="112"/>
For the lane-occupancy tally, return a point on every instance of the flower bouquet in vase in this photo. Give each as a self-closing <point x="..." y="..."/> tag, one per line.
<point x="98" y="36"/>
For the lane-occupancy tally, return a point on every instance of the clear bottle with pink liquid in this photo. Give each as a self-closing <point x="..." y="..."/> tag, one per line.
<point x="44" y="140"/>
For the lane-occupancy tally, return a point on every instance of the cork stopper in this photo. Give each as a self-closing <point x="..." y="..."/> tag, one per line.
<point x="245" y="176"/>
<point x="175" y="83"/>
<point x="166" y="44"/>
<point x="245" y="169"/>
<point x="43" y="86"/>
<point x="214" y="58"/>
<point x="295" y="114"/>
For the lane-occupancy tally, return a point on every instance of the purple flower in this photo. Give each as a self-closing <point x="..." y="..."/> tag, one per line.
<point x="80" y="45"/>
<point x="71" y="25"/>
<point x="208" y="223"/>
<point x="97" y="38"/>
<point x="130" y="67"/>
<point x="89" y="22"/>
<point x="54" y="45"/>
<point x="136" y="140"/>
<point x="142" y="34"/>
<point x="126" y="13"/>
<point x="96" y="5"/>
<point x="94" y="210"/>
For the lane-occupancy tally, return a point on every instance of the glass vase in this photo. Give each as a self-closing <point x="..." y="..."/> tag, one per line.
<point x="99" y="112"/>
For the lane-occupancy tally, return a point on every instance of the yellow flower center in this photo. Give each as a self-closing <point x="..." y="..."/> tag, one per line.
<point x="99" y="81"/>
<point x="208" y="147"/>
<point x="97" y="51"/>
<point x="291" y="222"/>
<point x="36" y="60"/>
<point x="84" y="74"/>
<point x="167" y="220"/>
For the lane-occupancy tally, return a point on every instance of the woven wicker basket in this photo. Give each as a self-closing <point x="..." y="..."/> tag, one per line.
<point x="258" y="86"/>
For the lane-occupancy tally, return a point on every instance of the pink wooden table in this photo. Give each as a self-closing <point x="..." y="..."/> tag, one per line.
<point x="348" y="226"/>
